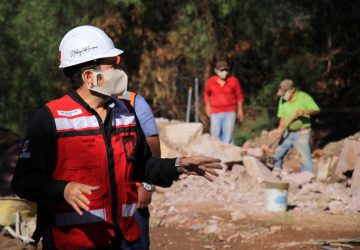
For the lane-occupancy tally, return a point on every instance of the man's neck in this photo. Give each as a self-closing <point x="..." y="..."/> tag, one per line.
<point x="292" y="98"/>
<point x="221" y="81"/>
<point x="96" y="102"/>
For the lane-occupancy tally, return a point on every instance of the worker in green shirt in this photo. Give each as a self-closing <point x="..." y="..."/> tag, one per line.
<point x="295" y="109"/>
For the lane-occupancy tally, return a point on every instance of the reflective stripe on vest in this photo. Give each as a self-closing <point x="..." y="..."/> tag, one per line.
<point x="90" y="122"/>
<point x="73" y="218"/>
<point x="97" y="215"/>
<point x="123" y="120"/>
<point x="80" y="123"/>
<point x="128" y="210"/>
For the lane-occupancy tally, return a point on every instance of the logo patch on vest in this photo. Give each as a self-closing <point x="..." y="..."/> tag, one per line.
<point x="25" y="146"/>
<point x="69" y="113"/>
<point x="24" y="154"/>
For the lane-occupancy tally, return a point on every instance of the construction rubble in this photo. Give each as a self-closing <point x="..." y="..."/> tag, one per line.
<point x="334" y="187"/>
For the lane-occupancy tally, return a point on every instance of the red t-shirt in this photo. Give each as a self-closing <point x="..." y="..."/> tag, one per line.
<point x="223" y="98"/>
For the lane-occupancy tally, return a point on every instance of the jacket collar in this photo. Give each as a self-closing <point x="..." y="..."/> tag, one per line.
<point x="75" y="96"/>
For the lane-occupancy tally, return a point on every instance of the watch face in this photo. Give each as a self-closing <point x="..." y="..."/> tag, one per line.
<point x="147" y="186"/>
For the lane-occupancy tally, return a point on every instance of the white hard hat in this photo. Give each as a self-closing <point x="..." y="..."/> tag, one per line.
<point x="85" y="43"/>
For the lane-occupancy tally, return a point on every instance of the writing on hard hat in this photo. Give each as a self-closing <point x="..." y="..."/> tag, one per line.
<point x="285" y="85"/>
<point x="83" y="44"/>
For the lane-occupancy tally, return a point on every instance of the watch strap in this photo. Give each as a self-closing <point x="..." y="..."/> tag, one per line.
<point x="177" y="165"/>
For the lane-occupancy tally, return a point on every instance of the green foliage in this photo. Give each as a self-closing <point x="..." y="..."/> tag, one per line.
<point x="300" y="69"/>
<point x="32" y="38"/>
<point x="192" y="38"/>
<point x="225" y="7"/>
<point x="250" y="128"/>
<point x="315" y="43"/>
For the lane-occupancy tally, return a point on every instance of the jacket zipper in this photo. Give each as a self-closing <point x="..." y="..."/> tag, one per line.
<point x="111" y="172"/>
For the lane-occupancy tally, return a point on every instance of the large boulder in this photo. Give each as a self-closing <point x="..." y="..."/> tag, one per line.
<point x="298" y="179"/>
<point x="258" y="171"/>
<point x="348" y="157"/>
<point x="326" y="169"/>
<point x="355" y="186"/>
<point x="210" y="146"/>
<point x="182" y="133"/>
<point x="185" y="139"/>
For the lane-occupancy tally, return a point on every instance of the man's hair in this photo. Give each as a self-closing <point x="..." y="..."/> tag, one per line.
<point x="74" y="73"/>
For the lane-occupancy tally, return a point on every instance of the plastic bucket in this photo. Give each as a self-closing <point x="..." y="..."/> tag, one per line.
<point x="276" y="196"/>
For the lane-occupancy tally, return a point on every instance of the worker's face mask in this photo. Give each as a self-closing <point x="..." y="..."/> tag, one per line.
<point x="288" y="94"/>
<point x="222" y="73"/>
<point x="110" y="82"/>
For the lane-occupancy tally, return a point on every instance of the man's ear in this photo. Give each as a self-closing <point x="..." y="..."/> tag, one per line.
<point x="88" y="77"/>
<point x="216" y="71"/>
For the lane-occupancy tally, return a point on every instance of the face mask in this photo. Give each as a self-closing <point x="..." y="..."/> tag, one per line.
<point x="222" y="74"/>
<point x="287" y="95"/>
<point x="115" y="82"/>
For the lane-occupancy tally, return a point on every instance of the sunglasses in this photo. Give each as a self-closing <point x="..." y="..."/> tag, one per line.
<point x="224" y="69"/>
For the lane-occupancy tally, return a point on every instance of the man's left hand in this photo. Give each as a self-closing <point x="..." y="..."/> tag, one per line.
<point x="201" y="166"/>
<point x="144" y="198"/>
<point x="240" y="115"/>
<point x="300" y="112"/>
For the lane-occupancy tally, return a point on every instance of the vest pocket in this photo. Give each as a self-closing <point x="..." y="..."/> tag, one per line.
<point x="79" y="159"/>
<point x="82" y="153"/>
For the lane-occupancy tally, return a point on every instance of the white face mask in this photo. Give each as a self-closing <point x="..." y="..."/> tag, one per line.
<point x="115" y="82"/>
<point x="222" y="73"/>
<point x="287" y="95"/>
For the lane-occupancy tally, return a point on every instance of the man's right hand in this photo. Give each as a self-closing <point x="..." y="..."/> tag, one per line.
<point x="207" y="109"/>
<point x="200" y="165"/>
<point x="276" y="133"/>
<point x="74" y="195"/>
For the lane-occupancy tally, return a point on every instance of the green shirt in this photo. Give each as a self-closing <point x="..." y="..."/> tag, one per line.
<point x="287" y="110"/>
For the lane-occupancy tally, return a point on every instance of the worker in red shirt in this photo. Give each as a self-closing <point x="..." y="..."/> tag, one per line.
<point x="223" y="102"/>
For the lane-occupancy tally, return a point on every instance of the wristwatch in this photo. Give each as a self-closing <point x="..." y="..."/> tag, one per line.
<point x="177" y="165"/>
<point x="148" y="187"/>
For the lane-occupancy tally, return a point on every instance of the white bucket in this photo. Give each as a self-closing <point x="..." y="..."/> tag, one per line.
<point x="276" y="196"/>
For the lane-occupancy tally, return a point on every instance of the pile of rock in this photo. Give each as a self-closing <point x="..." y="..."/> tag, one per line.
<point x="240" y="190"/>
<point x="186" y="139"/>
<point x="340" y="162"/>
<point x="333" y="188"/>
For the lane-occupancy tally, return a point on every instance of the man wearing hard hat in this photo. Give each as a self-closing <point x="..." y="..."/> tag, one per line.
<point x="83" y="152"/>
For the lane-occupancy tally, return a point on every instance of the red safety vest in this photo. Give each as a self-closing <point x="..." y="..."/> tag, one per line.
<point x="85" y="156"/>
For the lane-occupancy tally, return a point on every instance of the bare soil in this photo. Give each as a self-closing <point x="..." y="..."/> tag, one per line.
<point x="288" y="231"/>
<point x="275" y="231"/>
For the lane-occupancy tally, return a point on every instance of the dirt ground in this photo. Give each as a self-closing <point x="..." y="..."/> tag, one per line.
<point x="275" y="231"/>
<point x="290" y="232"/>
